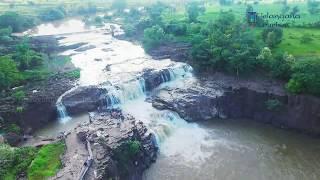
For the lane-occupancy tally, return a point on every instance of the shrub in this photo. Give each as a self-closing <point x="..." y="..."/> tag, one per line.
<point x="74" y="74"/>
<point x="175" y="28"/>
<point x="52" y="14"/>
<point x="15" y="160"/>
<point x="17" y="22"/>
<point x="153" y="37"/>
<point x="130" y="30"/>
<point x="273" y="104"/>
<point x="9" y="74"/>
<point x="194" y="9"/>
<point x="272" y="36"/>
<point x="13" y="128"/>
<point x="18" y="96"/>
<point x="305" y="77"/>
<point x="133" y="147"/>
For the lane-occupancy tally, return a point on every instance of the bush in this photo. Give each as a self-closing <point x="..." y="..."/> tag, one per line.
<point x="47" y="161"/>
<point x="153" y="37"/>
<point x="52" y="14"/>
<point x="272" y="36"/>
<point x="194" y="9"/>
<point x="130" y="30"/>
<point x="18" y="96"/>
<point x="305" y="77"/>
<point x="133" y="147"/>
<point x="13" y="128"/>
<point x="9" y="74"/>
<point x="5" y="35"/>
<point x="74" y="74"/>
<point x="17" y="22"/>
<point x="15" y="160"/>
<point x="273" y="104"/>
<point x="175" y="28"/>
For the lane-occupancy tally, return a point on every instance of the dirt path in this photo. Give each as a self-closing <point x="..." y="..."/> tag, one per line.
<point x="73" y="160"/>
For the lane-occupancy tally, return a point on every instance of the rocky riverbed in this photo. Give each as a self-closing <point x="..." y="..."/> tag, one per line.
<point x="122" y="148"/>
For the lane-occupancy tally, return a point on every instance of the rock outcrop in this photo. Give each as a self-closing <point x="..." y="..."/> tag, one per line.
<point x="265" y="102"/>
<point x="122" y="146"/>
<point x="84" y="99"/>
<point x="39" y="105"/>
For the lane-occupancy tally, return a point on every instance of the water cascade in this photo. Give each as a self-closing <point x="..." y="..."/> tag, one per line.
<point x="62" y="112"/>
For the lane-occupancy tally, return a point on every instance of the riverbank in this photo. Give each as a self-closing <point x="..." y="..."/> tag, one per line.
<point x="258" y="98"/>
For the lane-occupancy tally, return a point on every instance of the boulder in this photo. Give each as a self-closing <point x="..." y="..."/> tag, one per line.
<point x="84" y="99"/>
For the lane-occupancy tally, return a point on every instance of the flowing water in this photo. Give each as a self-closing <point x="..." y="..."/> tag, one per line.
<point x="229" y="149"/>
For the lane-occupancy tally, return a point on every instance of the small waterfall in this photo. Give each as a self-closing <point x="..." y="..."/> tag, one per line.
<point x="62" y="112"/>
<point x="176" y="72"/>
<point x="120" y="94"/>
<point x="61" y="109"/>
<point x="125" y="92"/>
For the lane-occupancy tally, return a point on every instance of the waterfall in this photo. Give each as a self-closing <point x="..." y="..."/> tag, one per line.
<point x="62" y="112"/>
<point x="61" y="109"/>
<point x="134" y="89"/>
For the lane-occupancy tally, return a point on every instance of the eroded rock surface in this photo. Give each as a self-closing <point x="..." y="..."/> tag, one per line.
<point x="84" y="99"/>
<point x="221" y="96"/>
<point x="122" y="146"/>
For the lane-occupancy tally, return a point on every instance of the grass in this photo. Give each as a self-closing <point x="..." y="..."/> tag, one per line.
<point x="47" y="162"/>
<point x="292" y="42"/>
<point x="14" y="160"/>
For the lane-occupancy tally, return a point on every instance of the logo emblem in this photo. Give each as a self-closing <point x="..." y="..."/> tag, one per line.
<point x="252" y="18"/>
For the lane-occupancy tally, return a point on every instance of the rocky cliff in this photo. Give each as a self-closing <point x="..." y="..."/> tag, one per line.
<point x="221" y="96"/>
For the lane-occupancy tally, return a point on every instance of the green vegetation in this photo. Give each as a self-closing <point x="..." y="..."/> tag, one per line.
<point x="194" y="9"/>
<point x="18" y="96"/>
<point x="305" y="76"/>
<point x="47" y="162"/>
<point x="15" y="160"/>
<point x="125" y="155"/>
<point x="9" y="74"/>
<point x="273" y="104"/>
<point x="223" y="41"/>
<point x="12" y="128"/>
<point x="53" y="14"/>
<point x="38" y="165"/>
<point x="15" y="21"/>
<point x="74" y="74"/>
<point x="153" y="37"/>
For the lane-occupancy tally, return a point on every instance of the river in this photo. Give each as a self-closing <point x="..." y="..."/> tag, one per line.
<point x="219" y="149"/>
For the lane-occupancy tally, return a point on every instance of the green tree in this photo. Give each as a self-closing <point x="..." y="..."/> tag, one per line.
<point x="295" y="10"/>
<point x="194" y="9"/>
<point x="17" y="22"/>
<point x="153" y="37"/>
<point x="5" y="35"/>
<point x="313" y="6"/>
<point x="9" y="74"/>
<point x="52" y="14"/>
<point x="305" y="77"/>
<point x="272" y="36"/>
<point x="27" y="58"/>
<point x="227" y="46"/>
